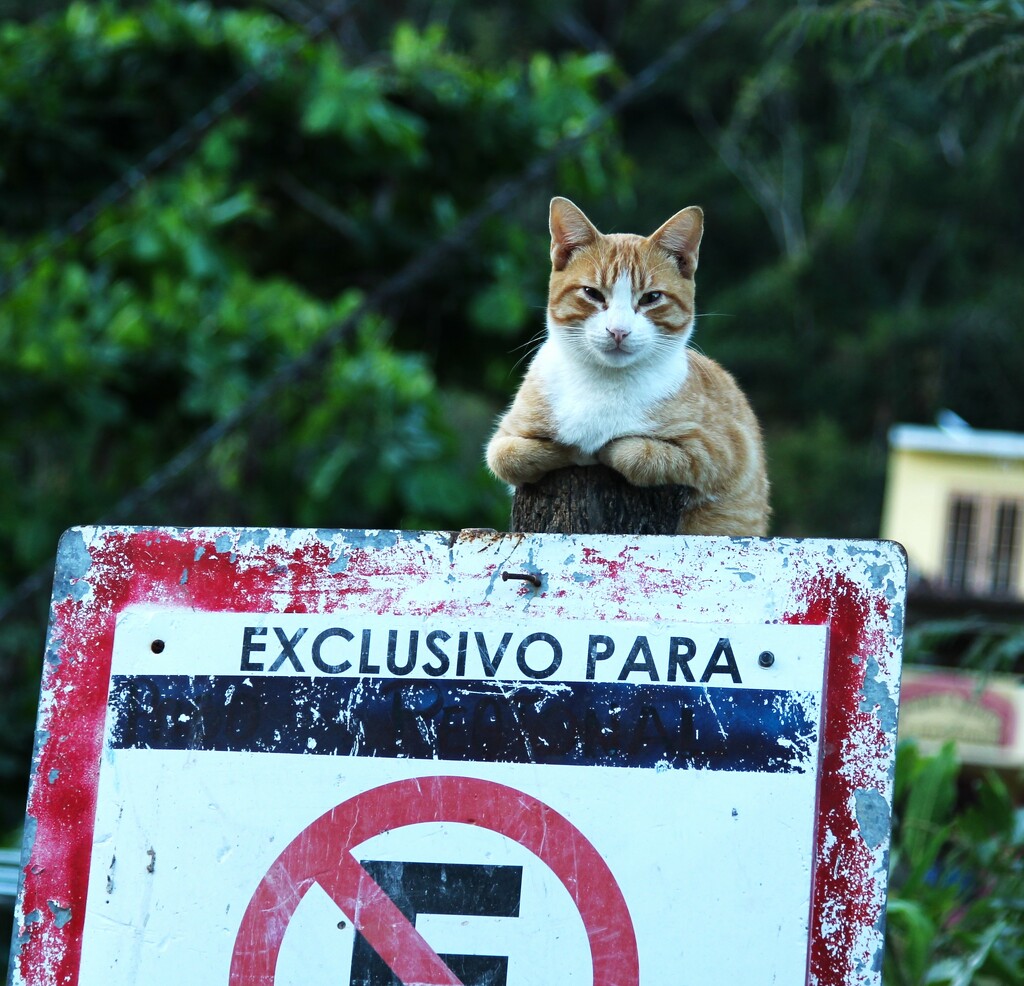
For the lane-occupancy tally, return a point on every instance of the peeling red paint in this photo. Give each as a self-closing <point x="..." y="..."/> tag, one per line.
<point x="847" y="894"/>
<point x="610" y="566"/>
<point x="642" y="574"/>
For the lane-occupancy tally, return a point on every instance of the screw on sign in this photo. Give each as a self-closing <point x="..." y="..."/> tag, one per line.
<point x="322" y="853"/>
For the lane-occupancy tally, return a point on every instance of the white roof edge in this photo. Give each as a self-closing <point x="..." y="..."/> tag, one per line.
<point x="958" y="441"/>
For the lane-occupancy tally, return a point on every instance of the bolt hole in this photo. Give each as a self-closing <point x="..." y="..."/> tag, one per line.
<point x="766" y="659"/>
<point x="342" y="926"/>
<point x="157" y="647"/>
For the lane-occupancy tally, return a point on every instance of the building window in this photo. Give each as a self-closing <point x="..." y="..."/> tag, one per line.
<point x="983" y="537"/>
<point x="1005" y="547"/>
<point x="961" y="543"/>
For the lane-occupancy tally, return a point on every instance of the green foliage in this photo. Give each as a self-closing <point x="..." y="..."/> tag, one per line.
<point x="975" y="45"/>
<point x="956" y="896"/>
<point x="844" y="470"/>
<point x="974" y="643"/>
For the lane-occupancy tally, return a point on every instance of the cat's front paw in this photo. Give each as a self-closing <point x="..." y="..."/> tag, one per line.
<point x="643" y="461"/>
<point x="514" y="460"/>
<point x="624" y="455"/>
<point x="517" y="460"/>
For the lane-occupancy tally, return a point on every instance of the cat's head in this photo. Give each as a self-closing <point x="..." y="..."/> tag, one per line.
<point x="618" y="299"/>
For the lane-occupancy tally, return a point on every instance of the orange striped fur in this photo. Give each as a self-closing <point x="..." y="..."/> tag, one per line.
<point x="615" y="382"/>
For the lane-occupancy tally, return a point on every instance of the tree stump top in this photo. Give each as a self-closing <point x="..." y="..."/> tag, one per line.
<point x="596" y="500"/>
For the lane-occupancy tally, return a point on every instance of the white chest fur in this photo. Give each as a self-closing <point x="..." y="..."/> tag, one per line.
<point x="593" y="404"/>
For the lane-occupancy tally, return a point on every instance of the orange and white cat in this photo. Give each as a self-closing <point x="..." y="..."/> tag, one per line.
<point x="615" y="381"/>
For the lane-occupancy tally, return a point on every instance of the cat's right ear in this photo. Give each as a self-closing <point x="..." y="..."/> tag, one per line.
<point x="570" y="230"/>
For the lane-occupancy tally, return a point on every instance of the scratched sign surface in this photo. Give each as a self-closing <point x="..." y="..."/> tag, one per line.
<point x="277" y="757"/>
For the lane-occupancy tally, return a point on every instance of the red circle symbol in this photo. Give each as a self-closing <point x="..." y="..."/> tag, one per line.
<point x="322" y="853"/>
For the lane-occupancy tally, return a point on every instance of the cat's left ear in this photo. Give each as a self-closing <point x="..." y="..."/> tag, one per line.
<point x="680" y="236"/>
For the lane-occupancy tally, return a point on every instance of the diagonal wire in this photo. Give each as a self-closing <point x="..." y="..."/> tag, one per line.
<point x="411" y="275"/>
<point x="185" y="136"/>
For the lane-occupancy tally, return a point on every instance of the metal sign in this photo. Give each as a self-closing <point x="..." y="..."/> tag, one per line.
<point x="276" y="757"/>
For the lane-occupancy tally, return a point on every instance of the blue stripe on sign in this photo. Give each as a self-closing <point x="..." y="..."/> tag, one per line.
<point x="616" y="724"/>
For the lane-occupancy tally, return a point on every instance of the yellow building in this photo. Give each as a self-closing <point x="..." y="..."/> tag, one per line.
<point x="955" y="500"/>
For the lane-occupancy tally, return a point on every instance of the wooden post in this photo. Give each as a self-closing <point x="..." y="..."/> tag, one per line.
<point x="596" y="500"/>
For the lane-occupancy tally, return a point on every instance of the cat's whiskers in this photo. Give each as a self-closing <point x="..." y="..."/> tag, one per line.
<point x="530" y="347"/>
<point x="536" y="337"/>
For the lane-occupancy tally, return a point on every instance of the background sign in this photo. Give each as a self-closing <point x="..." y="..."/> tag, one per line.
<point x="321" y="757"/>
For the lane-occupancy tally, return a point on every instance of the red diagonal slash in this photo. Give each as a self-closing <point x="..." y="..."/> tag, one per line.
<point x="322" y="853"/>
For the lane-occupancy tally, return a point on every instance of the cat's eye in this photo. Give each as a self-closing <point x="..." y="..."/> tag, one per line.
<point x="592" y="293"/>
<point x="650" y="298"/>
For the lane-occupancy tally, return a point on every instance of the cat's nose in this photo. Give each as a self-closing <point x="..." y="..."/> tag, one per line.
<point x="618" y="335"/>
